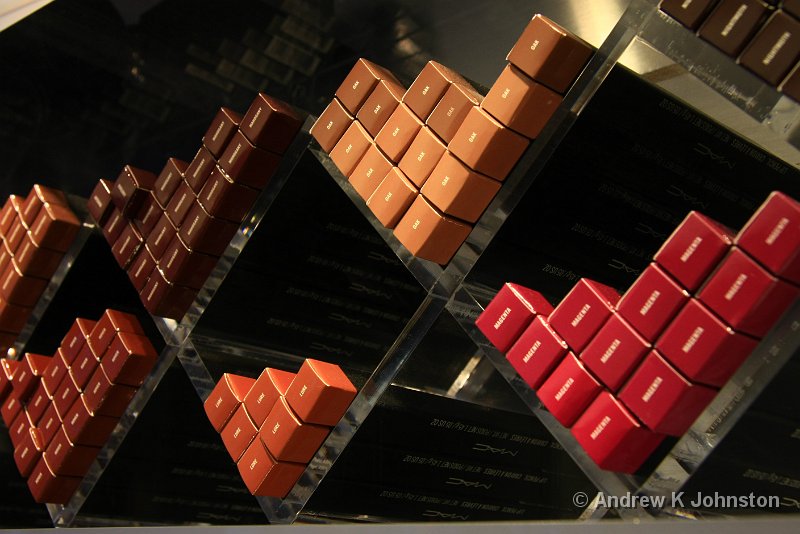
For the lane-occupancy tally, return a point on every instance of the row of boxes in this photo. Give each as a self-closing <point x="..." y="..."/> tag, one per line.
<point x="428" y="160"/>
<point x="763" y="36"/>
<point x="60" y="410"/>
<point x="168" y="231"/>
<point x="272" y="426"/>
<point x="646" y="364"/>
<point x="35" y="232"/>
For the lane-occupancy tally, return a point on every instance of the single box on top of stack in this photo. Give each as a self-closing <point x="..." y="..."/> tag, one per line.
<point x="429" y="159"/>
<point x="35" y="232"/>
<point x="624" y="372"/>
<point x="168" y="231"/>
<point x="61" y="409"/>
<point x="273" y="426"/>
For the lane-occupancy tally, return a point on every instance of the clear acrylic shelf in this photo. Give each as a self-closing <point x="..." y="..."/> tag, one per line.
<point x="176" y="332"/>
<point x="78" y="206"/>
<point x="691" y="450"/>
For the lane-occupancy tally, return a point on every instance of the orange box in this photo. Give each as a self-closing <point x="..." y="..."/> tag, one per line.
<point x="288" y="438"/>
<point x="320" y="393"/>
<point x="226" y="396"/>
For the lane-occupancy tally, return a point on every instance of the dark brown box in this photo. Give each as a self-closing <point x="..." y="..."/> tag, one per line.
<point x="179" y="205"/>
<point x="359" y="83"/>
<point x="224" y="199"/>
<point x="520" y="103"/>
<point x="390" y="201"/>
<point x="169" y="180"/>
<point x="99" y="204"/>
<point x="351" y="148"/>
<point x="55" y="227"/>
<point x="452" y="109"/>
<point x="148" y="215"/>
<point x="422" y="156"/>
<point x="36" y="261"/>
<point x="775" y="50"/>
<point x="246" y="164"/>
<point x="184" y="266"/>
<point x="370" y="172"/>
<point x="38" y="197"/>
<point x="103" y="397"/>
<point x="129" y="359"/>
<point x="131" y="188"/>
<point x="19" y="289"/>
<point x="429" y="87"/>
<point x="690" y="13"/>
<point x="732" y="24"/>
<point x="429" y="234"/>
<point x="487" y="146"/>
<point x="68" y="459"/>
<point x="459" y="191"/>
<point x="126" y="245"/>
<point x="163" y="232"/>
<point x="198" y="170"/>
<point x="13" y="317"/>
<point x="84" y="427"/>
<point x="549" y="54"/>
<point x="792" y="7"/>
<point x="204" y="233"/>
<point x="141" y="267"/>
<point x="397" y="134"/>
<point x="379" y="105"/>
<point x="113" y="225"/>
<point x="221" y="130"/>
<point x="331" y="125"/>
<point x="163" y="299"/>
<point x="270" y="124"/>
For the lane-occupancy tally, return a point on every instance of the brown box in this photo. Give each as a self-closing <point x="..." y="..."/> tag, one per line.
<point x="221" y="130"/>
<point x="169" y="180"/>
<point x="350" y="148"/>
<point x="520" y="103"/>
<point x="379" y="106"/>
<point x="397" y="134"/>
<point x="459" y="191"/>
<point x="429" y="87"/>
<point x="451" y="110"/>
<point x="487" y="146"/>
<point x="36" y="261"/>
<point x="222" y="198"/>
<point x="775" y="50"/>
<point x="131" y="188"/>
<point x="129" y="359"/>
<point x="47" y="487"/>
<point x="19" y="289"/>
<point x="55" y="227"/>
<point x="183" y="266"/>
<point x="198" y="170"/>
<point x="84" y="427"/>
<point x="732" y="24"/>
<point x="126" y="245"/>
<point x="270" y="123"/>
<point x="163" y="232"/>
<point x="690" y="13"/>
<point x="359" y="83"/>
<point x="429" y="234"/>
<point x="390" y="201"/>
<point x="422" y="156"/>
<point x="179" y="205"/>
<point x="141" y="267"/>
<point x="205" y="233"/>
<point x="75" y="338"/>
<point x="164" y="299"/>
<point x="9" y="213"/>
<point x="370" y="171"/>
<point x="99" y="203"/>
<point x="148" y="215"/>
<point x="13" y="317"/>
<point x="549" y="54"/>
<point x="111" y="322"/>
<point x="38" y="197"/>
<point x="113" y="225"/>
<point x="103" y="397"/>
<point x="331" y="125"/>
<point x="246" y="164"/>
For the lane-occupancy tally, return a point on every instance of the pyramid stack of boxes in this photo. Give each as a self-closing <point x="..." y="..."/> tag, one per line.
<point x="624" y="372"/>
<point x="60" y="410"/>
<point x="168" y="231"/>
<point x="428" y="160"/>
<point x="273" y="426"/>
<point x="35" y="232"/>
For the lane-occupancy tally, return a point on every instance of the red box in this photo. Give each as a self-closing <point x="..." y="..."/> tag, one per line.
<point x="39" y="402"/>
<point x="129" y="359"/>
<point x="11" y="409"/>
<point x="579" y="316"/>
<point x="48" y="425"/>
<point x="99" y="203"/>
<point x="169" y="179"/>
<point x="662" y="398"/>
<point x="694" y="249"/>
<point x="84" y="366"/>
<point x="13" y="317"/>
<point x="320" y="393"/>
<point x="772" y="236"/>
<point x="66" y="394"/>
<point x="537" y="352"/>
<point x="7" y="370"/>
<point x="103" y="397"/>
<point x="568" y="390"/>
<point x="165" y="299"/>
<point x="288" y="438"/>
<point x="202" y="232"/>
<point x="184" y="266"/>
<point x="226" y="396"/>
<point x="264" y="475"/>
<point x="180" y="203"/>
<point x="612" y="437"/>
<point x="270" y="385"/>
<point x="147" y="216"/>
<point x="110" y="323"/>
<point x="652" y="301"/>
<point x="19" y="427"/>
<point x="29" y="374"/>
<point x="614" y="352"/>
<point x="55" y="372"/>
<point x="139" y="271"/>
<point x="126" y="245"/>
<point x="73" y="342"/>
<point x="113" y="225"/>
<point x="238" y="433"/>
<point x="198" y="170"/>
<point x="19" y="289"/>
<point x="68" y="459"/>
<point x="703" y="347"/>
<point x="746" y="295"/>
<point x="28" y="452"/>
<point x="131" y="188"/>
<point x="84" y="427"/>
<point x="509" y="313"/>
<point x="55" y="227"/>
<point x="47" y="487"/>
<point x="161" y="235"/>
